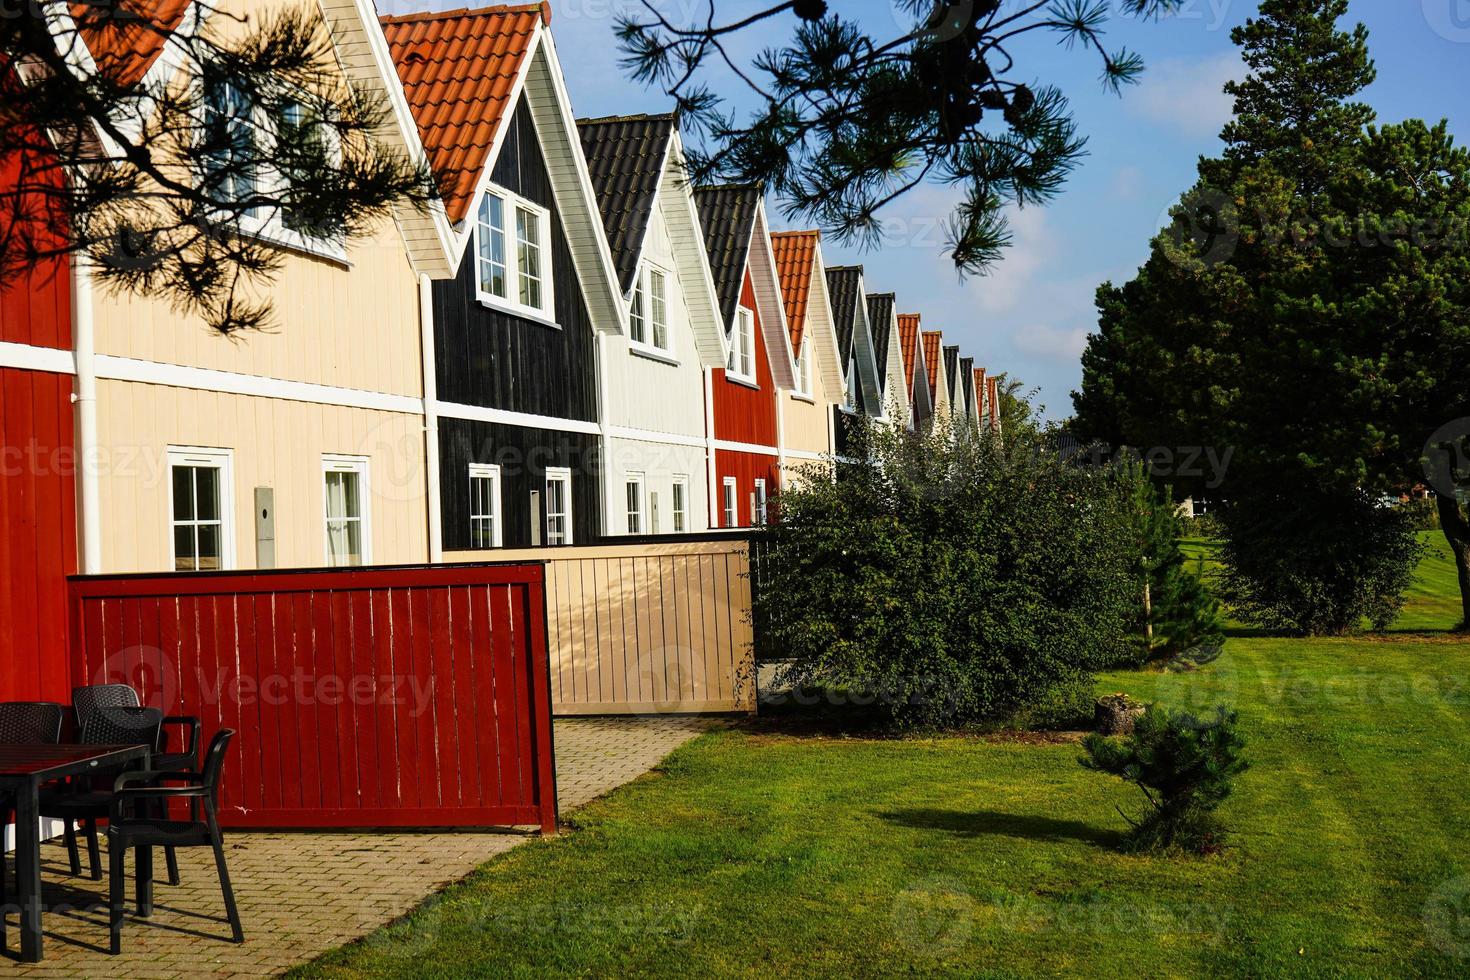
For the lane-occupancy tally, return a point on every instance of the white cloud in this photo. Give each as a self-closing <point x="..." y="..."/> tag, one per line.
<point x="1051" y="343"/>
<point x="1186" y="94"/>
<point x="1128" y="183"/>
<point x="1013" y="278"/>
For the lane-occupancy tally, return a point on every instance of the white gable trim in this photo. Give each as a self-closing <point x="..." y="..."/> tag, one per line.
<point x="760" y="262"/>
<point x="695" y="277"/>
<point x="819" y="320"/>
<point x="862" y="345"/>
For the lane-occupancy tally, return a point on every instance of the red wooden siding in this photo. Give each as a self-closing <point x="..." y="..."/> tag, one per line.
<point x="746" y="468"/>
<point x="36" y="308"/>
<point x="375" y="697"/>
<point x="743" y="413"/>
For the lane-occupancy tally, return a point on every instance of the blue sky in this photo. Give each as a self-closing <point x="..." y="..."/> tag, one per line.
<point x="1031" y="315"/>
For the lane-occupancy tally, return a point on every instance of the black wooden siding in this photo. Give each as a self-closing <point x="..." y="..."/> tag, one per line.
<point x="523" y="455"/>
<point x="496" y="360"/>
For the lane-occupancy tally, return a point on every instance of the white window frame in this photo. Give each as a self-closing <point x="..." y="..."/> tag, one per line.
<point x="741" y="362"/>
<point x="641" y="513"/>
<point x="271" y="227"/>
<point x="804" y="368"/>
<point x="222" y="460"/>
<point x="729" y="502"/>
<point x="760" y="504"/>
<point x="563" y="475"/>
<point x="643" y="317"/>
<point x="679" y="503"/>
<point x="491" y="472"/>
<point x="510" y="303"/>
<point x="339" y="463"/>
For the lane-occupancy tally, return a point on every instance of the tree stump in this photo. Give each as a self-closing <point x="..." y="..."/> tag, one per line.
<point x="1115" y="714"/>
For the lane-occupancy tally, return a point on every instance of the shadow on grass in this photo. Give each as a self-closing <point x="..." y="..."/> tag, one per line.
<point x="992" y="823"/>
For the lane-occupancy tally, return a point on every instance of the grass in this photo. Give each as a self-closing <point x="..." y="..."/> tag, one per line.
<point x="756" y="852"/>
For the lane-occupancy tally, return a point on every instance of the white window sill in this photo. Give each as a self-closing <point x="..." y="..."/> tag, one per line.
<point x="516" y="310"/>
<point x="741" y="379"/>
<point x="798" y="396"/>
<point x="652" y="353"/>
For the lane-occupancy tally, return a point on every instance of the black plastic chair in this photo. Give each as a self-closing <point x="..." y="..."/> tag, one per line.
<point x="86" y="700"/>
<point x="88" y="802"/>
<point x="126" y="829"/>
<point x="23" y="723"/>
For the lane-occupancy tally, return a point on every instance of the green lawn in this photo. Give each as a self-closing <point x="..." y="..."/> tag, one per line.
<point x="755" y="852"/>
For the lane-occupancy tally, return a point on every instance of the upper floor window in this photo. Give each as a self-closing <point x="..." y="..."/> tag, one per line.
<point x="804" y="367"/>
<point x="638" y="314"/>
<point x="728" y="502"/>
<point x="741" y="361"/>
<point x="648" y="317"/>
<point x="758" y="505"/>
<point x="680" y="504"/>
<point x="634" y="488"/>
<point x="348" y="531"/>
<point x="273" y="153"/>
<point x="558" y="506"/>
<point x="517" y="279"/>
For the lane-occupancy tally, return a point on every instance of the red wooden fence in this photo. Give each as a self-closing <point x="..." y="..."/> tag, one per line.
<point x="365" y="698"/>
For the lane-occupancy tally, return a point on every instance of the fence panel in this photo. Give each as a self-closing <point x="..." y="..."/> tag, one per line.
<point x="376" y="697"/>
<point x="648" y="626"/>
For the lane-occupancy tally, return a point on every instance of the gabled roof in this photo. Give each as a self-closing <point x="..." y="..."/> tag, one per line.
<point x="993" y="392"/>
<point x="908" y="339"/>
<point x="982" y="403"/>
<point x="880" y="321"/>
<point x="796" y="255"/>
<point x="952" y="374"/>
<point x="625" y="158"/>
<point x="933" y="340"/>
<point x="843" y="283"/>
<point x="727" y="216"/>
<point x="126" y="37"/>
<point x="967" y="390"/>
<point x="461" y="70"/>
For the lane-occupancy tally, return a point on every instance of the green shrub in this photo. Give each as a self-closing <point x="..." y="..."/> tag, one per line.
<point x="1317" y="564"/>
<point x="954" y="581"/>
<point x="1068" y="706"/>
<point x="1185" y="768"/>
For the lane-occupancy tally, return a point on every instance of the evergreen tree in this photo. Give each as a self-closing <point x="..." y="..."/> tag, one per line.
<point x="1178" y="613"/>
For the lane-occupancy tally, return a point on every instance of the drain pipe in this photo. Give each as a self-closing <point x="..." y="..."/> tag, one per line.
<point x="84" y="350"/>
<point x="431" y="419"/>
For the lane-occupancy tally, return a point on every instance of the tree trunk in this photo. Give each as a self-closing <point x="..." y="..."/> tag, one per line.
<point x="1148" y="618"/>
<point x="1457" y="532"/>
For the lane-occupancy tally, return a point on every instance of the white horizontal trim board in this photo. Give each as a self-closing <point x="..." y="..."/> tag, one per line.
<point x="652" y="435"/>
<point x="29" y="357"/>
<point x="113" y="368"/>
<point x="476" y="413"/>
<point x="807" y="454"/>
<point x="746" y="447"/>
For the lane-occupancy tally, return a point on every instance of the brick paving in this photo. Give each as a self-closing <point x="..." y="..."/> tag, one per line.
<point x="303" y="893"/>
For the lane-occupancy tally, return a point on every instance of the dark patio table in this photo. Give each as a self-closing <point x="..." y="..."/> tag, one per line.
<point x="23" y="768"/>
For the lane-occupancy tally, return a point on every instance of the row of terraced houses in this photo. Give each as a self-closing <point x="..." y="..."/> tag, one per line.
<point x="570" y="345"/>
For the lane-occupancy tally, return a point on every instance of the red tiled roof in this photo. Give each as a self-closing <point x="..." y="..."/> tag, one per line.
<point x="126" y="37"/>
<point x="796" y="253"/>
<point x="932" y="341"/>
<point x="908" y="344"/>
<point x="458" y="69"/>
<point x="979" y="389"/>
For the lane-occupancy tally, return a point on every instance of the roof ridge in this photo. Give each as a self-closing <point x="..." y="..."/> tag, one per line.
<point x="809" y="231"/>
<point x="540" y="6"/>
<point x="629" y="117"/>
<point x="731" y="187"/>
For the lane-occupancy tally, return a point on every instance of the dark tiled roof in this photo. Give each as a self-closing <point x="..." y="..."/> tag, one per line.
<point x="727" y="217"/>
<point x="880" y="321"/>
<point x="458" y="69"/>
<point x="796" y="254"/>
<point x="842" y="287"/>
<point x="951" y="369"/>
<point x="967" y="371"/>
<point x="625" y="156"/>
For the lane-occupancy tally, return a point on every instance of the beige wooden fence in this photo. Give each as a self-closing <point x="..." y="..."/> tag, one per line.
<point x="643" y="628"/>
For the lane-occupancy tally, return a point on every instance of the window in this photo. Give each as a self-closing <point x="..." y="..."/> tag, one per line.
<point x="514" y="280"/>
<point x="731" y="518"/>
<point x="558" y="506"/>
<point x="660" y="309"/>
<point x="485" y="530"/>
<point x="200" y="517"/>
<point x="804" y="368"/>
<point x="248" y="151"/>
<point x="680" y="500"/>
<point x="742" y="345"/>
<point x="637" y="317"/>
<point x="758" y="504"/>
<point x="345" y="481"/>
<point x="634" y="490"/>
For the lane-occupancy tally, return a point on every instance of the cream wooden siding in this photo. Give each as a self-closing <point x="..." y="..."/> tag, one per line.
<point x="639" y="629"/>
<point x="656" y="398"/>
<point x="348" y="326"/>
<point x="276" y="443"/>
